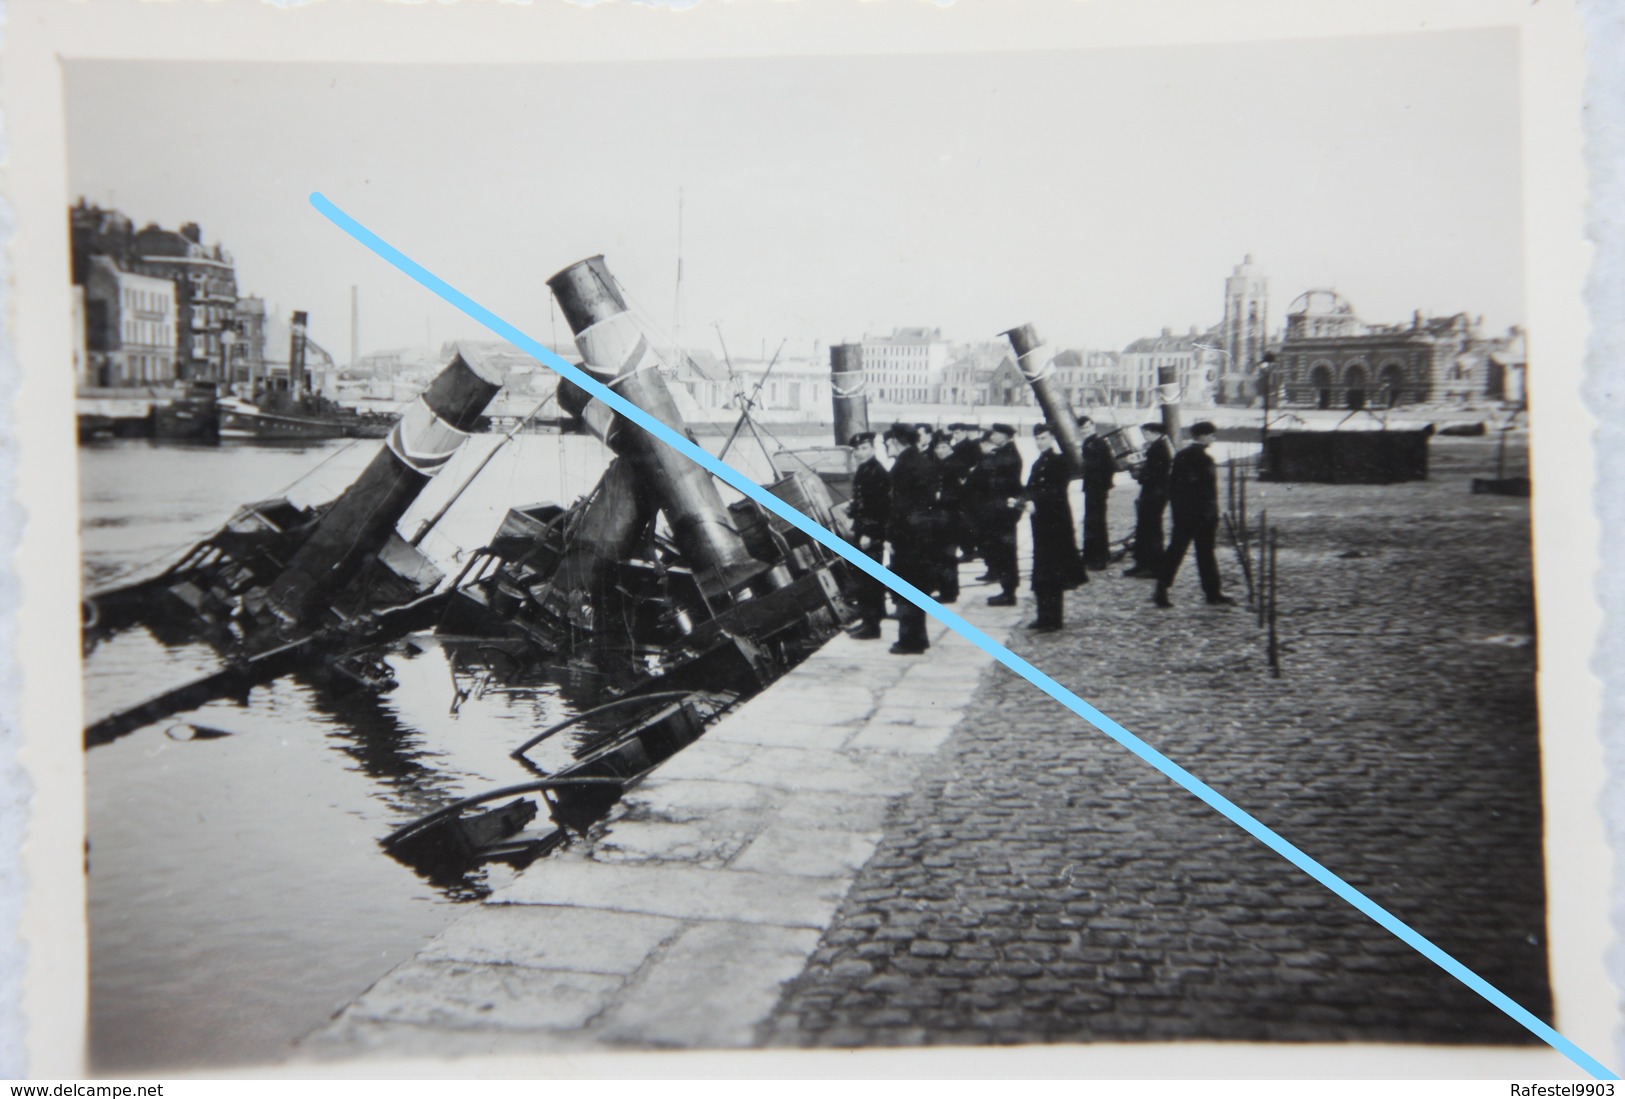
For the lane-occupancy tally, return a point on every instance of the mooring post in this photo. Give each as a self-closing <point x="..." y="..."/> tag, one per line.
<point x="1246" y="530"/>
<point x="1275" y="644"/>
<point x="355" y="526"/>
<point x="1038" y="367"/>
<point x="1263" y="571"/>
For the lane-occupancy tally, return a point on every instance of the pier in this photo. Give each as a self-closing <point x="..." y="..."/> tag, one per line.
<point x="891" y="852"/>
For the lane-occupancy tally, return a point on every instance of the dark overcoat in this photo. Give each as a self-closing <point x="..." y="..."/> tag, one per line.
<point x="992" y="483"/>
<point x="913" y="523"/>
<point x="1099" y="464"/>
<point x="1056" y="561"/>
<point x="870" y="509"/>
<point x="1155" y="471"/>
<point x="1193" y="487"/>
<point x="955" y="469"/>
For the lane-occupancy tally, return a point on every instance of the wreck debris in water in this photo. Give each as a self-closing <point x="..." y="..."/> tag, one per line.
<point x="651" y="597"/>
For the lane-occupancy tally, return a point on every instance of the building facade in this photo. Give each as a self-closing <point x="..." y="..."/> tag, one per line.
<point x="905" y="367"/>
<point x="246" y="353"/>
<point x="964" y="382"/>
<point x="93" y="231"/>
<point x="1088" y="379"/>
<point x="790" y="384"/>
<point x="1141" y="361"/>
<point x="129" y="325"/>
<point x="205" y="295"/>
<point x="203" y="298"/>
<point x="1329" y="358"/>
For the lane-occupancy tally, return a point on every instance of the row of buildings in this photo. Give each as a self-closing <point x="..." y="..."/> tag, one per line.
<point x="1324" y="356"/>
<point x="156" y="306"/>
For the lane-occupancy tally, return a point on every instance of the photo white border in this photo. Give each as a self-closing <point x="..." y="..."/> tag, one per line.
<point x="39" y="33"/>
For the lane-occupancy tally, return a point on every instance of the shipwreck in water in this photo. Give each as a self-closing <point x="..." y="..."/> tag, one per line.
<point x="650" y="598"/>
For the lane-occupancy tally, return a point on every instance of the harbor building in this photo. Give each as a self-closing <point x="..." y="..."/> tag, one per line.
<point x="129" y="326"/>
<point x="205" y="280"/>
<point x="906" y="366"/>
<point x="1508" y="369"/>
<point x="1007" y="385"/>
<point x="1136" y="376"/>
<point x="792" y="383"/>
<point x="246" y="354"/>
<point x="968" y="378"/>
<point x="1330" y="358"/>
<point x="706" y="377"/>
<point x="964" y="381"/>
<point x="1087" y="378"/>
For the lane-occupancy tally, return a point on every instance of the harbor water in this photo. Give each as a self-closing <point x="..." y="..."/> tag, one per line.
<point x="237" y="892"/>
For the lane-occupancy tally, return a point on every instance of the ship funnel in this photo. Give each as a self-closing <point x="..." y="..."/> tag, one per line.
<point x="847" y="387"/>
<point x="619" y="354"/>
<point x="357" y="525"/>
<point x="1169" y="396"/>
<point x="1037" y="364"/>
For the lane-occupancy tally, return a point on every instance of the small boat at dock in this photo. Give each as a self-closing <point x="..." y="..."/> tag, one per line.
<point x="300" y="419"/>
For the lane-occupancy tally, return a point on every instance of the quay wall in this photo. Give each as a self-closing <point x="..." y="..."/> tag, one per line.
<point x="679" y="921"/>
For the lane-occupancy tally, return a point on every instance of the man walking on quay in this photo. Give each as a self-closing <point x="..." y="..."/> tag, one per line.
<point x="1148" y="509"/>
<point x="1057" y="568"/>
<point x="909" y="529"/>
<point x="1099" y="470"/>
<point x="1193" y="496"/>
<point x="992" y="491"/>
<point x="868" y="512"/>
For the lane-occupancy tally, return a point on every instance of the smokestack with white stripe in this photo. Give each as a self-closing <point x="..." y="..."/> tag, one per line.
<point x="619" y="354"/>
<point x="356" y="525"/>
<point x="847" y="385"/>
<point x="1037" y="364"/>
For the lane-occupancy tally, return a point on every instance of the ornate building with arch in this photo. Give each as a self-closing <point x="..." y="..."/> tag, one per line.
<point x="1329" y="358"/>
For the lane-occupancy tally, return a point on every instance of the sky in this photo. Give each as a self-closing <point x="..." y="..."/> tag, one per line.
<point x="1100" y="195"/>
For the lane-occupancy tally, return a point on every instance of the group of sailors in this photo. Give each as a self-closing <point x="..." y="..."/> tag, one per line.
<point x="957" y="495"/>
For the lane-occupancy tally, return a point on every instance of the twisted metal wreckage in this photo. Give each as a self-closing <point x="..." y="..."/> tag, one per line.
<point x="649" y="596"/>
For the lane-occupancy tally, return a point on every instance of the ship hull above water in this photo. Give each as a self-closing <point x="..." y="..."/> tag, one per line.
<point x="245" y="425"/>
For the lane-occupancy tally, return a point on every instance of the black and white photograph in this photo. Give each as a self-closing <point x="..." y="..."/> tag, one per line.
<point x="423" y="705"/>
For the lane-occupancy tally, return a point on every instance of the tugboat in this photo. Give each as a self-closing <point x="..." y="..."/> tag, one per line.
<point x="275" y="415"/>
<point x="297" y="413"/>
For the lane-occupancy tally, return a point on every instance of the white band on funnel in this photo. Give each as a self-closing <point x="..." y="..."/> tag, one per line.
<point x="422" y="440"/>
<point x="841" y="390"/>
<point x="616" y="347"/>
<point x="1046" y="360"/>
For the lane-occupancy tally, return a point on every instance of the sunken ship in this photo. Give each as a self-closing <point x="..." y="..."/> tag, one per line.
<point x="653" y="601"/>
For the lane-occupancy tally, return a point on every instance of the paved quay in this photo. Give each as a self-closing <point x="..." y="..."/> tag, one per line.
<point x="1042" y="884"/>
<point x="885" y="851"/>
<point x="678" y="922"/>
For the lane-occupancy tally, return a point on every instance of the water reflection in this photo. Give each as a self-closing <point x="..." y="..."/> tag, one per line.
<point x="237" y="892"/>
<point x="238" y="895"/>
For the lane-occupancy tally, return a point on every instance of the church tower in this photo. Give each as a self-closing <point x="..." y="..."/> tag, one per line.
<point x="1246" y="327"/>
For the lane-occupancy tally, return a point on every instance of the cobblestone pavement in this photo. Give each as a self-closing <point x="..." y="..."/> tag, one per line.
<point x="1042" y="884"/>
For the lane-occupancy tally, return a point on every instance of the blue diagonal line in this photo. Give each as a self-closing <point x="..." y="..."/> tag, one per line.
<point x="724" y="472"/>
